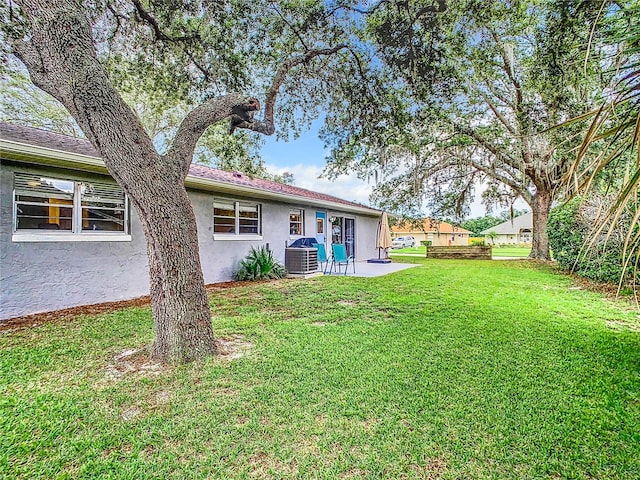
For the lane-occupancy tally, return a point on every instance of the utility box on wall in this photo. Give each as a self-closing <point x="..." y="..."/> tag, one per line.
<point x="300" y="261"/>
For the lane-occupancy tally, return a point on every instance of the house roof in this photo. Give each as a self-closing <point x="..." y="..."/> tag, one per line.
<point x="430" y="225"/>
<point x="513" y="226"/>
<point x="40" y="146"/>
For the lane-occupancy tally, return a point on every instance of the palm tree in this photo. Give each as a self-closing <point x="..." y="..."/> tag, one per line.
<point x="609" y="158"/>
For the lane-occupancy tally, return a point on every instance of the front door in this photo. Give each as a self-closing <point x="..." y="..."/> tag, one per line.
<point x="321" y="220"/>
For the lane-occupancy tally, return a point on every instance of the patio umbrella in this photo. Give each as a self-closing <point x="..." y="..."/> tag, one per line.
<point x="384" y="233"/>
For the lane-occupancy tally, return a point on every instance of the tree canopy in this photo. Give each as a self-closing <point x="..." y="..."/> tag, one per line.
<point x="482" y="84"/>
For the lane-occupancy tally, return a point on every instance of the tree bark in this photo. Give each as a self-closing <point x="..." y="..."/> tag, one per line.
<point x="540" y="207"/>
<point x="182" y="319"/>
<point x="61" y="60"/>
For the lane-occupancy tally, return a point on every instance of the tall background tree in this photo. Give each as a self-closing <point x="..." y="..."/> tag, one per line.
<point x="484" y="82"/>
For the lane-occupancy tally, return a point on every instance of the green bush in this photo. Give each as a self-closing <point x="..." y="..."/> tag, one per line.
<point x="425" y="243"/>
<point x="259" y="264"/>
<point x="477" y="242"/>
<point x="568" y="227"/>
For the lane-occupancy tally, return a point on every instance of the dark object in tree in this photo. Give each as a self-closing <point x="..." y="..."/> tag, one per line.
<point x="241" y="115"/>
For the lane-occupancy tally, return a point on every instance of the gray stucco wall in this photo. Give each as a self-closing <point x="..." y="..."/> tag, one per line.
<point x="46" y="276"/>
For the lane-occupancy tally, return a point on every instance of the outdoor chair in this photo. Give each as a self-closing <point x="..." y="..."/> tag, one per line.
<point x="340" y="257"/>
<point x="322" y="256"/>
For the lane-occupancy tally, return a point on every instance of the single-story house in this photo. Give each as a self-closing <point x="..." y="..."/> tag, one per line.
<point x="69" y="237"/>
<point x="434" y="231"/>
<point x="516" y="231"/>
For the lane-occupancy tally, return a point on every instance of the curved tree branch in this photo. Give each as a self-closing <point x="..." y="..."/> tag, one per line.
<point x="236" y="107"/>
<point x="157" y="31"/>
<point x="503" y="120"/>
<point x="159" y="35"/>
<point x="484" y="143"/>
<point x="267" y="126"/>
<point x="202" y="117"/>
<point x="520" y="189"/>
<point x="293" y="29"/>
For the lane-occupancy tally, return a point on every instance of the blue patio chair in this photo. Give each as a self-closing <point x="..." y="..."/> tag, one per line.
<point x="322" y="256"/>
<point x="340" y="257"/>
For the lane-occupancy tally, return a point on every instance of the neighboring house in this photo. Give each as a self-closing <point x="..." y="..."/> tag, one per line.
<point x="69" y="237"/>
<point x="512" y="232"/>
<point x="434" y="231"/>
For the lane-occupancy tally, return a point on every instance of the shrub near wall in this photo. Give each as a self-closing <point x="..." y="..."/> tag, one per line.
<point x="568" y="227"/>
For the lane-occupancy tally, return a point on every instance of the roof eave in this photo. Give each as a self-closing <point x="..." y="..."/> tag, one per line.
<point x="223" y="187"/>
<point x="50" y="157"/>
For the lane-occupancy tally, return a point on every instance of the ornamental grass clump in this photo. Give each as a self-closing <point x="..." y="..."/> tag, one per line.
<point x="260" y="264"/>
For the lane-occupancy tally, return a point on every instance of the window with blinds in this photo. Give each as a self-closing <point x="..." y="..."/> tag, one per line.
<point x="103" y="207"/>
<point x="296" y="225"/>
<point x="42" y="203"/>
<point x="236" y="218"/>
<point x="54" y="204"/>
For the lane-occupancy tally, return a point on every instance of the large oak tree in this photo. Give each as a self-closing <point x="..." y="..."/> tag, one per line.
<point x="86" y="53"/>
<point x="485" y="82"/>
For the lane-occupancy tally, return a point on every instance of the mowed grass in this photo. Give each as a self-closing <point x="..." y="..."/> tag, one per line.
<point x="417" y="249"/>
<point x="511" y="251"/>
<point x="449" y="370"/>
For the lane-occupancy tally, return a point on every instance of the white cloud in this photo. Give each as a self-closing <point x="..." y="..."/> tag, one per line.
<point x="347" y="187"/>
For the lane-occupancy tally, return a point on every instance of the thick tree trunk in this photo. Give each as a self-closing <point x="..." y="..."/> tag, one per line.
<point x="540" y="207"/>
<point x="182" y="319"/>
<point x="61" y="60"/>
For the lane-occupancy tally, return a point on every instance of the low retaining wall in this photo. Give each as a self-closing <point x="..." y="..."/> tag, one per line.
<point x="480" y="252"/>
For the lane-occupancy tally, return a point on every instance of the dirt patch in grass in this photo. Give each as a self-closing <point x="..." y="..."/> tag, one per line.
<point x="432" y="470"/>
<point x="263" y="465"/>
<point x="352" y="473"/>
<point x="137" y="361"/>
<point x="233" y="347"/>
<point x="134" y="362"/>
<point x="616" y="325"/>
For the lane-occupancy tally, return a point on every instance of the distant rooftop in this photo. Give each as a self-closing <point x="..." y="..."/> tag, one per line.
<point x="429" y="225"/>
<point x="512" y="226"/>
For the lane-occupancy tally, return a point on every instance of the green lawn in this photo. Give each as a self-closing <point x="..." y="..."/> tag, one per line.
<point x="419" y="249"/>
<point x="450" y="370"/>
<point x="510" y="251"/>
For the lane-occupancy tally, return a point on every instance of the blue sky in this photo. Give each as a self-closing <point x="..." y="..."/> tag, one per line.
<point x="304" y="157"/>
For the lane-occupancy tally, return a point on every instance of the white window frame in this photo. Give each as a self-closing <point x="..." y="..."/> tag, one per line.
<point x="77" y="233"/>
<point x="296" y="211"/>
<point x="236" y="234"/>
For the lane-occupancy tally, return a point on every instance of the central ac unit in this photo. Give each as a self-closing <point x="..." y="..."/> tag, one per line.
<point x="301" y="260"/>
